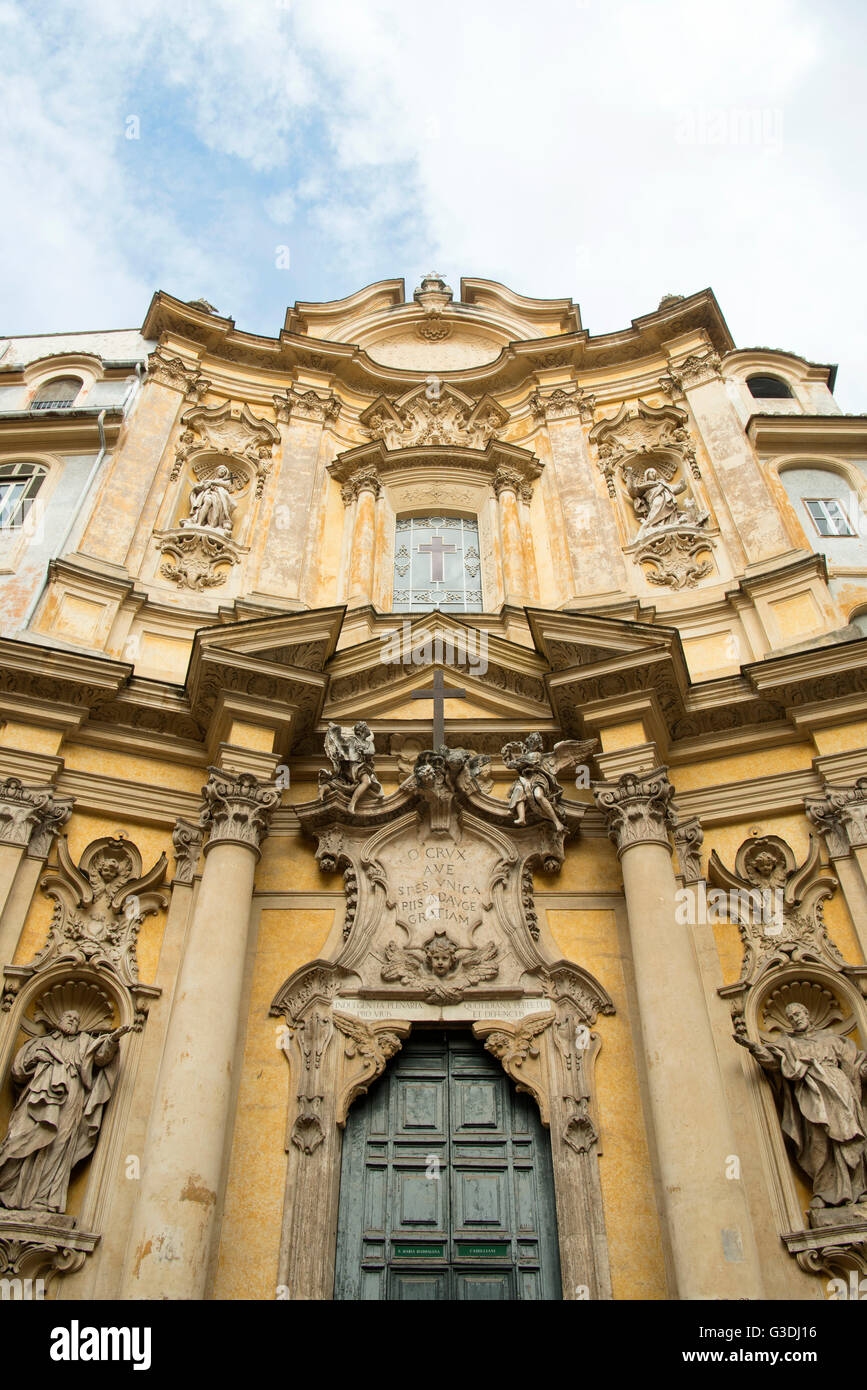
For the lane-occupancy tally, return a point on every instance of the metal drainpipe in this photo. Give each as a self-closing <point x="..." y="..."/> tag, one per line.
<point x="34" y="602"/>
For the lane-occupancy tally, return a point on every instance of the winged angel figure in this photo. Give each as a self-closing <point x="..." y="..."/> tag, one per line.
<point x="350" y="752"/>
<point x="440" y="957"/>
<point x="536" y="787"/>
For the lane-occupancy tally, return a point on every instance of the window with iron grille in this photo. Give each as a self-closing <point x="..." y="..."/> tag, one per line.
<point x="828" y="516"/>
<point x="437" y="564"/>
<point x="19" y="484"/>
<point x="57" y="394"/>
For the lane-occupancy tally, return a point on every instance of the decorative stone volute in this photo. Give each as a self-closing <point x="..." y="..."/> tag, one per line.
<point x="238" y="808"/>
<point x="30" y="816"/>
<point x="187" y="839"/>
<point x="638" y="808"/>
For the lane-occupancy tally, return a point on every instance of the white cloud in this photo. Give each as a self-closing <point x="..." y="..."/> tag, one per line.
<point x="568" y="149"/>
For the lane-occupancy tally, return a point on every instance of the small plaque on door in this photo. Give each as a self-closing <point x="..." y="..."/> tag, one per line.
<point x="492" y="1250"/>
<point x="417" y="1251"/>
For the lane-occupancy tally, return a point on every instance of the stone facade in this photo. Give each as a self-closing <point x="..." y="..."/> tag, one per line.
<point x="609" y="821"/>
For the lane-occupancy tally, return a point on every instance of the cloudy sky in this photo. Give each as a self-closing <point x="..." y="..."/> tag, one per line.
<point x="262" y="151"/>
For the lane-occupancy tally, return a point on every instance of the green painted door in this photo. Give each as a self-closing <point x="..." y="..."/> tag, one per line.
<point x="446" y="1188"/>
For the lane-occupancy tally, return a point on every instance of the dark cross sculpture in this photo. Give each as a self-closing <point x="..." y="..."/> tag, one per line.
<point x="436" y="550"/>
<point x="439" y="695"/>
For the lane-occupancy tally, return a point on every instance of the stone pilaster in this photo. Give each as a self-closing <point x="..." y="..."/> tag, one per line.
<point x="172" y="1230"/>
<point x="30" y="817"/>
<point x="841" y="815"/>
<point x="507" y="485"/>
<point x="707" y="1216"/>
<point x="366" y="487"/>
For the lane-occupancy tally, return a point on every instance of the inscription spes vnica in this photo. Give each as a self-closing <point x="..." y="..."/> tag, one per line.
<point x="440" y="892"/>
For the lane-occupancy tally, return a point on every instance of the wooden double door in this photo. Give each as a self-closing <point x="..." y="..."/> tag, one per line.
<point x="447" y="1188"/>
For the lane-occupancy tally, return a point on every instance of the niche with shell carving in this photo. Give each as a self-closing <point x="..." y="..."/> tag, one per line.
<point x="798" y="1011"/>
<point x="221" y="464"/>
<point x="70" y="1043"/>
<point x="652" y="474"/>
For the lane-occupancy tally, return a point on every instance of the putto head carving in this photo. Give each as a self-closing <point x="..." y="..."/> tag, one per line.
<point x="441" y="954"/>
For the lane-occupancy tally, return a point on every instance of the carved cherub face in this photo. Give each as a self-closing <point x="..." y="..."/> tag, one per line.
<point x="108" y="869"/>
<point x="361" y="729"/>
<point x="70" y="1023"/>
<point x="650" y="475"/>
<point x="440" y="954"/>
<point x="798" y="1017"/>
<point x="533" y="743"/>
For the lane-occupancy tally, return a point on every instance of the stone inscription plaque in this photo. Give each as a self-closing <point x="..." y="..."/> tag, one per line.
<point x="468" y="1010"/>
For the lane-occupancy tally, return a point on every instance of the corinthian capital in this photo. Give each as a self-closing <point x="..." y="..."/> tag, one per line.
<point x="237" y="809"/>
<point x="841" y="815"/>
<point x="31" y="815"/>
<point x="638" y="808"/>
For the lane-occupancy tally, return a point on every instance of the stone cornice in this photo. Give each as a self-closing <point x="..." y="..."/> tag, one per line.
<point x="778" y="434"/>
<point x="69" y="431"/>
<point x="485" y="463"/>
<point x="515" y="366"/>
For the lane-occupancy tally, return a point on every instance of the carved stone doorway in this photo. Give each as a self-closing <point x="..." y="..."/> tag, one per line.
<point x="447" y="1184"/>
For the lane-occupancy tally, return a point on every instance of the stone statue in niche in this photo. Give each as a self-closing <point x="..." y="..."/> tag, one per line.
<point x="67" y="1077"/>
<point x="350" y="752"/>
<point x="536" y="787"/>
<point x="654" y="501"/>
<point x="818" y="1075"/>
<point x="211" y="502"/>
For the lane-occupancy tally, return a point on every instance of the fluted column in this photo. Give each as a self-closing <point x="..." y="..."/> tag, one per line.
<point x="706" y="1213"/>
<point x="507" y="484"/>
<point x="366" y="486"/>
<point x="172" y="1230"/>
<point x="30" y="817"/>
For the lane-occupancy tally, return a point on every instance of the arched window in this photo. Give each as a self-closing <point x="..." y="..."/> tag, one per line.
<point x="437" y="564"/>
<point x="57" y="394"/>
<point x="768" y="388"/>
<point x="19" y="484"/>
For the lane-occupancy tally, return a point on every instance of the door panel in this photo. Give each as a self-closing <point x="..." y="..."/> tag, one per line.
<point x="446" y="1186"/>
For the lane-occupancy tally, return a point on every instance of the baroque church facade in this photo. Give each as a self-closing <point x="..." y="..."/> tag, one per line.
<point x="433" y="807"/>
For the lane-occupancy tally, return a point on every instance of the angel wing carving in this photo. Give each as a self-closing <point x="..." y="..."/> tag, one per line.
<point x="568" y="753"/>
<point x="479" y="963"/>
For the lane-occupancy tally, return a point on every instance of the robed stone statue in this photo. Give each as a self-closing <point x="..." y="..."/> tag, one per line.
<point x="67" y="1077"/>
<point x="818" y="1077"/>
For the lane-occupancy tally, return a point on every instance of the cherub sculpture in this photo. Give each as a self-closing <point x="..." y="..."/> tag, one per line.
<point x="350" y="752"/>
<point x="440" y="966"/>
<point x="536" y="787"/>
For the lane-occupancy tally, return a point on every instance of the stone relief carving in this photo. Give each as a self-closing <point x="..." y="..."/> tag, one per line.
<point x="779" y="905"/>
<point x="313" y="1034"/>
<point x="99" y="907"/>
<point x="439" y="414"/>
<point x="31" y="816"/>
<point x="350" y="752"/>
<point x="440" y="966"/>
<point x="306" y="405"/>
<point x="368" y="1049"/>
<point x="536" y="788"/>
<point x="559" y="404"/>
<point x="841" y="815"/>
<point x="433" y="294"/>
<point x="187" y="839"/>
<point x="172" y="371"/>
<point x="696" y="369"/>
<point x="688" y="839"/>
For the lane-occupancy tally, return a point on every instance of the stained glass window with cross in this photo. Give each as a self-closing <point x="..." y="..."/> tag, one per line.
<point x="437" y="564"/>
